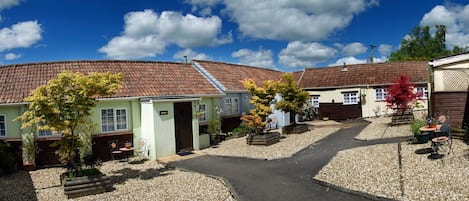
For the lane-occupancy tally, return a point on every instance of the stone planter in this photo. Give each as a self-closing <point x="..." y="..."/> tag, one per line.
<point x="422" y="138"/>
<point x="86" y="185"/>
<point x="265" y="139"/>
<point x="402" y="116"/>
<point x="214" y="139"/>
<point x="295" y="129"/>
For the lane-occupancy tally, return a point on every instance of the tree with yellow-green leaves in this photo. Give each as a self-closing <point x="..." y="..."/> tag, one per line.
<point x="261" y="98"/>
<point x="293" y="97"/>
<point x="64" y="105"/>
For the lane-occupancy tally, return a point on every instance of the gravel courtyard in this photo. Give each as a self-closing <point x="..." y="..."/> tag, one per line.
<point x="146" y="181"/>
<point x="375" y="169"/>
<point x="287" y="146"/>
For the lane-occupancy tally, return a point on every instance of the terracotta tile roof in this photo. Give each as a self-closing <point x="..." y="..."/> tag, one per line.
<point x="140" y="78"/>
<point x="363" y="74"/>
<point x="231" y="75"/>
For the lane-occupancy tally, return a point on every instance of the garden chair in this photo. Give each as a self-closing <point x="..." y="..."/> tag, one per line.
<point x="114" y="148"/>
<point x="143" y="148"/>
<point x="443" y="143"/>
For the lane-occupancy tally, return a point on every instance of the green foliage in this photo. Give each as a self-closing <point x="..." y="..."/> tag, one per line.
<point x="261" y="98"/>
<point x="421" y="45"/>
<point x="415" y="125"/>
<point x="293" y="97"/>
<point x="29" y="146"/>
<point x="65" y="103"/>
<point x="8" y="163"/>
<point x="310" y="112"/>
<point x="243" y="129"/>
<point x="214" y="126"/>
<point x="85" y="138"/>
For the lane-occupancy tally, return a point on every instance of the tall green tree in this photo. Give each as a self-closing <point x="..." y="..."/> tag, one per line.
<point x="293" y="97"/>
<point x="419" y="44"/>
<point x="64" y="105"/>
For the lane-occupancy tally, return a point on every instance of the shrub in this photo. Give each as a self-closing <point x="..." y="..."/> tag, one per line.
<point x="243" y="129"/>
<point x="416" y="124"/>
<point x="8" y="163"/>
<point x="401" y="93"/>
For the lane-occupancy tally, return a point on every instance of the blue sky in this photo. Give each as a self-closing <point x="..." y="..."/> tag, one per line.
<point x="282" y="34"/>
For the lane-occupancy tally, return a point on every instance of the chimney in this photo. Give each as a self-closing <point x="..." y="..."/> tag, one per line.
<point x="344" y="68"/>
<point x="185" y="59"/>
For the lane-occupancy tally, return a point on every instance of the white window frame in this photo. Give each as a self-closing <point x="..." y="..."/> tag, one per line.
<point x="315" y="101"/>
<point x="381" y="93"/>
<point x="47" y="133"/>
<point x="114" y="122"/>
<point x="5" y="125"/>
<point x="203" y="117"/>
<point x="348" y="98"/>
<point x="424" y="91"/>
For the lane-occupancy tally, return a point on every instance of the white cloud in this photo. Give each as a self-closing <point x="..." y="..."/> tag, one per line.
<point x="348" y="61"/>
<point x="22" y="34"/>
<point x="299" y="54"/>
<point x="353" y="49"/>
<point x="203" y="6"/>
<point x="303" y="20"/>
<point x="168" y="28"/>
<point x="191" y="55"/>
<point x="456" y="20"/>
<point x="12" y="56"/>
<point x="4" y="4"/>
<point x="260" y="58"/>
<point x="384" y="49"/>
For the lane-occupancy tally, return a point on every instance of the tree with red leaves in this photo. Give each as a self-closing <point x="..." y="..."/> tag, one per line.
<point x="401" y="94"/>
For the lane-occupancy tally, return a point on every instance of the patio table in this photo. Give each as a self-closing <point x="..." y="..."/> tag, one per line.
<point x="126" y="151"/>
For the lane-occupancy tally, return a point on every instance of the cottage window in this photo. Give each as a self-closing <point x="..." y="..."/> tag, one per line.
<point x="43" y="133"/>
<point x="231" y="105"/>
<point x="381" y="94"/>
<point x="315" y="101"/>
<point x="423" y="91"/>
<point x="3" y="126"/>
<point x="350" y="98"/>
<point x="113" y="120"/>
<point x="202" y="112"/>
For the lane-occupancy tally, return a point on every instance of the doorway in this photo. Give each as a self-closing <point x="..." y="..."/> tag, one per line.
<point x="183" y="126"/>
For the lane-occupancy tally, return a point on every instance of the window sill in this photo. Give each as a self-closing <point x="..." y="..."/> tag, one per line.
<point x="350" y="104"/>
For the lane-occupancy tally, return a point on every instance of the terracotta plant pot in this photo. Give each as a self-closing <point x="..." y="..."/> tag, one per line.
<point x="28" y="166"/>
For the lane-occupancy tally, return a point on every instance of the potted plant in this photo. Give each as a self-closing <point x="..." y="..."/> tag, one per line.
<point x="30" y="149"/>
<point x="214" y="129"/>
<point x="326" y="115"/>
<point x="422" y="137"/>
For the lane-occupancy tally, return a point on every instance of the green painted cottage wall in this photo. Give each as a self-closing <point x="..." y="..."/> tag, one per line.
<point x="11" y="112"/>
